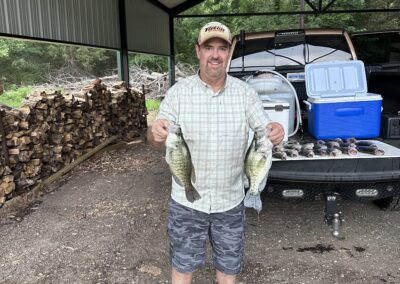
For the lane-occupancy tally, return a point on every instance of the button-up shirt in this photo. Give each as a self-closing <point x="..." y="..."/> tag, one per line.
<point x="215" y="127"/>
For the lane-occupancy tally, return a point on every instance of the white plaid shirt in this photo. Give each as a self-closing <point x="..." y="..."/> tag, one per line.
<point x="215" y="127"/>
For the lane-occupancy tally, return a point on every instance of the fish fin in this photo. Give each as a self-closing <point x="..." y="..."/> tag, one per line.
<point x="192" y="194"/>
<point x="263" y="183"/>
<point x="168" y="158"/>
<point x="246" y="182"/>
<point x="193" y="175"/>
<point x="253" y="201"/>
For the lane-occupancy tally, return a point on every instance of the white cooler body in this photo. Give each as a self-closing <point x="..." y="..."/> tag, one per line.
<point x="278" y="111"/>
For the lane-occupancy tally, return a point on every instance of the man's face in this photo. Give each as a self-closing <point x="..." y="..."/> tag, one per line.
<point x="213" y="59"/>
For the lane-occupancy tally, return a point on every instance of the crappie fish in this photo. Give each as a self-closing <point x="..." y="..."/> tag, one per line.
<point x="372" y="149"/>
<point x="257" y="164"/>
<point x="351" y="151"/>
<point x="280" y="155"/>
<point x="180" y="163"/>
<point x="321" y="152"/>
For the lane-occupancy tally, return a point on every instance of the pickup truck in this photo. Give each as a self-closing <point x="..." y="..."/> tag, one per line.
<point x="361" y="180"/>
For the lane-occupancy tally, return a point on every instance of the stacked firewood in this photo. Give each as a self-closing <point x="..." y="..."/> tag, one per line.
<point x="51" y="130"/>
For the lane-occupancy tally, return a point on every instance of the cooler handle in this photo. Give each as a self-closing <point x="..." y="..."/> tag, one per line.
<point x="349" y="111"/>
<point x="307" y="103"/>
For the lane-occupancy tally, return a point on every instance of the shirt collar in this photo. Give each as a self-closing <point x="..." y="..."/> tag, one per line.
<point x="209" y="87"/>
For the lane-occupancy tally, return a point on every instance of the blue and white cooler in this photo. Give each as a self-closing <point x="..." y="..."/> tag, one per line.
<point x="338" y="103"/>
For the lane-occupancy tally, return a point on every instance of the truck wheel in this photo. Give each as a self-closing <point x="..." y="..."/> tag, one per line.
<point x="389" y="203"/>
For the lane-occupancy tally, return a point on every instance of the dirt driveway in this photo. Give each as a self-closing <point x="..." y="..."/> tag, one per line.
<point x="105" y="223"/>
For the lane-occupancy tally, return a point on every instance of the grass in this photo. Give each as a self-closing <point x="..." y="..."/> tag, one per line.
<point x="152" y="104"/>
<point x="14" y="97"/>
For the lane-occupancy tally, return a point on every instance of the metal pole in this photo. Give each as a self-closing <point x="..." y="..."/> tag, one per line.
<point x="122" y="55"/>
<point x="171" y="58"/>
<point x="302" y="15"/>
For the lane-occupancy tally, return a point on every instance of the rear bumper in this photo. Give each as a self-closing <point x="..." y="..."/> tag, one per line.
<point x="350" y="178"/>
<point x="348" y="191"/>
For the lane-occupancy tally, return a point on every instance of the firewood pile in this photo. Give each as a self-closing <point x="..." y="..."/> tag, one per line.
<point x="154" y="84"/>
<point x="51" y="130"/>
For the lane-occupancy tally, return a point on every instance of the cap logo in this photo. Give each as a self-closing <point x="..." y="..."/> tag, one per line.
<point x="211" y="29"/>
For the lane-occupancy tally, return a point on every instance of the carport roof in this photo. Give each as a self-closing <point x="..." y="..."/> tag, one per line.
<point x="145" y="26"/>
<point x="135" y="25"/>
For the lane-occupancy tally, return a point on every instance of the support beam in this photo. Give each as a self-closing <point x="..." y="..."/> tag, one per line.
<point x="123" y="62"/>
<point x="311" y="6"/>
<point x="328" y="5"/>
<point x="185" y="6"/>
<point x="391" y="10"/>
<point x="171" y="60"/>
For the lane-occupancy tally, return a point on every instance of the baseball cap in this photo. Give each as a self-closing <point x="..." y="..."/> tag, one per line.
<point x="214" y="29"/>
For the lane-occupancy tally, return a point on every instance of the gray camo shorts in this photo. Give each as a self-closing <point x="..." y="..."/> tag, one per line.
<point x="189" y="229"/>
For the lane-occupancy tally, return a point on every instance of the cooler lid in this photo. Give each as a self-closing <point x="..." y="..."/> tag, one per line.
<point x="336" y="79"/>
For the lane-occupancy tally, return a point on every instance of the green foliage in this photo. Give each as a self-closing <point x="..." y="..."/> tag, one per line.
<point x="15" y="96"/>
<point x="186" y="29"/>
<point x="152" y="104"/>
<point x="151" y="62"/>
<point x="28" y="62"/>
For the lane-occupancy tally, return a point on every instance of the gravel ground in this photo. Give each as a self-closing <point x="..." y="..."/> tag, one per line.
<point x="105" y="223"/>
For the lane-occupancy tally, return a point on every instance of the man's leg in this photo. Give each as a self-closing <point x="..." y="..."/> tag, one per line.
<point x="188" y="232"/>
<point x="181" y="278"/>
<point x="227" y="240"/>
<point x="223" y="278"/>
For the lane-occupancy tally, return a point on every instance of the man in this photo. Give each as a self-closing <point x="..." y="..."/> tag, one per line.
<point x="215" y="112"/>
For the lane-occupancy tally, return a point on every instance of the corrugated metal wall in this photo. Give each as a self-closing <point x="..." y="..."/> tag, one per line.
<point x="147" y="28"/>
<point x="91" y="22"/>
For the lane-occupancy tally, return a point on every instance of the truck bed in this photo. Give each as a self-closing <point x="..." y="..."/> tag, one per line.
<point x="344" y="168"/>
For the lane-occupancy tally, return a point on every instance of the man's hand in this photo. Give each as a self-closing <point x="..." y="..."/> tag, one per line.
<point x="158" y="132"/>
<point x="277" y="132"/>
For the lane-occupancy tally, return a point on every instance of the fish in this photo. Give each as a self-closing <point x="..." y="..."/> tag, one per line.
<point x="280" y="155"/>
<point x="292" y="145"/>
<point x="349" y="140"/>
<point x="256" y="166"/>
<point x="334" y="152"/>
<point x="293" y="153"/>
<point x="278" y="148"/>
<point x="307" y="146"/>
<point x="179" y="161"/>
<point x="351" y="151"/>
<point x="307" y="153"/>
<point x="346" y="144"/>
<point x="321" y="152"/>
<point x="320" y="147"/>
<point x="372" y="149"/>
<point x="339" y="140"/>
<point x="364" y="143"/>
<point x="332" y="144"/>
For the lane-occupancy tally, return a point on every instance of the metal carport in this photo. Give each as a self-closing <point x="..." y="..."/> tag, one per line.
<point x="125" y="25"/>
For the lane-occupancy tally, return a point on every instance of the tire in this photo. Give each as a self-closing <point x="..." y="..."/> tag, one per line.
<point x="389" y="203"/>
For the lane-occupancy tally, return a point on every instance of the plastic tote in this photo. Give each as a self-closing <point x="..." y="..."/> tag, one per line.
<point x="338" y="104"/>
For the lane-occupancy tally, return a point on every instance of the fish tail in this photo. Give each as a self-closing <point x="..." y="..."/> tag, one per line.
<point x="192" y="194"/>
<point x="253" y="201"/>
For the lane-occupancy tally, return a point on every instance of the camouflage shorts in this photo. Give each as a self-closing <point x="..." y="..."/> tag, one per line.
<point x="189" y="230"/>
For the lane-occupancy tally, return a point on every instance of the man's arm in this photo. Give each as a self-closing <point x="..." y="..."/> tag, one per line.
<point x="158" y="132"/>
